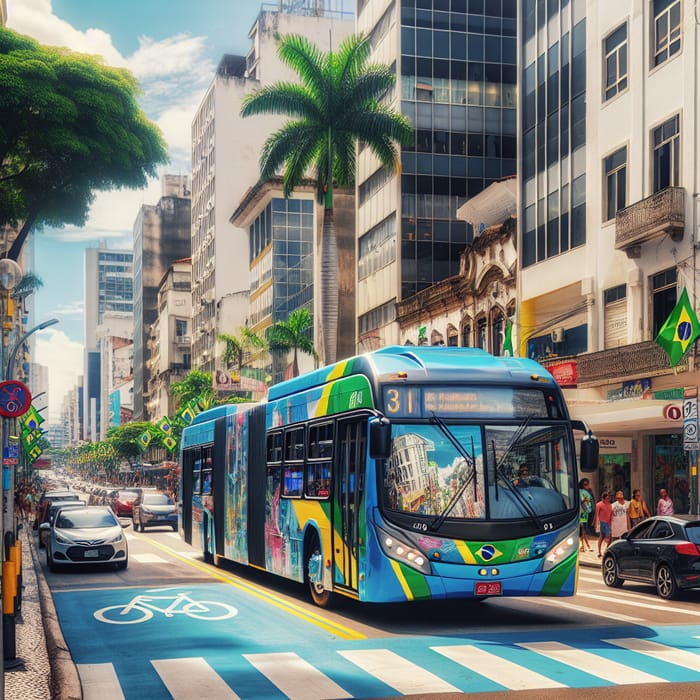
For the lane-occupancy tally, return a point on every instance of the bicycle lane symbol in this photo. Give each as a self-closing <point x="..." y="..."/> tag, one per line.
<point x="142" y="607"/>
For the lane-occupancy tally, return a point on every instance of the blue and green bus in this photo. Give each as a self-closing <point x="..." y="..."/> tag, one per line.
<point x="397" y="475"/>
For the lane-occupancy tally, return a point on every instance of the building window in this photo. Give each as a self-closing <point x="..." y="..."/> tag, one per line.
<point x="497" y="334"/>
<point x="667" y="29"/>
<point x="481" y="333"/>
<point x="615" y="301"/>
<point x="615" y="47"/>
<point x="663" y="297"/>
<point x="666" y="143"/>
<point x="615" y="191"/>
<point x="467" y="335"/>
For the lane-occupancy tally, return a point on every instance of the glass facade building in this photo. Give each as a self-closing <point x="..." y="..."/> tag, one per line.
<point x="115" y="284"/>
<point x="553" y="127"/>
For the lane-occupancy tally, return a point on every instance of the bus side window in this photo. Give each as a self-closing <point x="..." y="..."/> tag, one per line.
<point x="196" y="476"/>
<point x="318" y="467"/>
<point x="293" y="468"/>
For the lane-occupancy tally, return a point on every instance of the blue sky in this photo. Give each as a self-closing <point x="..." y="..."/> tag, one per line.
<point x="172" y="47"/>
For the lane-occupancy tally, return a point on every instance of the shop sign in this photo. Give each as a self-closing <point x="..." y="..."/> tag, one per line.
<point x="564" y="373"/>
<point x="673" y="411"/>
<point x="615" y="445"/>
<point x="690" y="425"/>
<point x="637" y="389"/>
<point x="615" y="394"/>
<point x="669" y="394"/>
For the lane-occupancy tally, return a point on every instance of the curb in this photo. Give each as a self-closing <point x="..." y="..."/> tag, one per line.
<point x="65" y="681"/>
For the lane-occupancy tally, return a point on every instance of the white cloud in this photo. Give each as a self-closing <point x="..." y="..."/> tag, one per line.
<point x="75" y="309"/>
<point x="64" y="359"/>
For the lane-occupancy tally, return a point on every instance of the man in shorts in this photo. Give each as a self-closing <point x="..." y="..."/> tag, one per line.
<point x="603" y="517"/>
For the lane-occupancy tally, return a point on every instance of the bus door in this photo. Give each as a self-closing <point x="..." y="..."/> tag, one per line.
<point x="188" y="458"/>
<point x="349" y="491"/>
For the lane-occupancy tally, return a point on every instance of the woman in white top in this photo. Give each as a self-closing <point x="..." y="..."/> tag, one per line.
<point x="620" y="516"/>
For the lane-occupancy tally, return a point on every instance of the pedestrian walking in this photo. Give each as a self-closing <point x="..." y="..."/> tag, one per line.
<point x="585" y="509"/>
<point x="620" y="521"/>
<point x="638" y="508"/>
<point x="603" y="516"/>
<point x="665" y="504"/>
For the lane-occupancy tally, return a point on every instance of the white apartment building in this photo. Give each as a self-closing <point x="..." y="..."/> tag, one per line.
<point x="608" y="223"/>
<point x="226" y="155"/>
<point x="169" y="344"/>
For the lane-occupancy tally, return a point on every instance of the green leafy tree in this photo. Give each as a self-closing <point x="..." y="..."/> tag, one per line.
<point x="69" y="127"/>
<point x="125" y="439"/>
<point x="237" y="346"/>
<point x="293" y="334"/>
<point x="194" y="385"/>
<point x="336" y="104"/>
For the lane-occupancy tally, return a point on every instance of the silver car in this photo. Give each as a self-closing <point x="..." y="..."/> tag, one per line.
<point x="154" y="508"/>
<point x="90" y="535"/>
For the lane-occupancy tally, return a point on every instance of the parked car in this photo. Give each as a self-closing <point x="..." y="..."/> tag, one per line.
<point x="154" y="508"/>
<point x="662" y="550"/>
<point x="122" y="502"/>
<point x="50" y="497"/>
<point x="53" y="508"/>
<point x="89" y="535"/>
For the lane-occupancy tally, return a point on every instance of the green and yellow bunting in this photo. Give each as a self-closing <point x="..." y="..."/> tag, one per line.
<point x="187" y="415"/>
<point x="35" y="453"/>
<point x="145" y="439"/>
<point x="169" y="442"/>
<point x="680" y="330"/>
<point x="164" y="425"/>
<point x="31" y="420"/>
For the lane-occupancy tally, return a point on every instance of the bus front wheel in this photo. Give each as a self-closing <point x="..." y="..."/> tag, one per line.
<point x="321" y="597"/>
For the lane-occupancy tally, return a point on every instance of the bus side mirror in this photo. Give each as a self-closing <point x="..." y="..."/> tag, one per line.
<point x="589" y="453"/>
<point x="379" y="438"/>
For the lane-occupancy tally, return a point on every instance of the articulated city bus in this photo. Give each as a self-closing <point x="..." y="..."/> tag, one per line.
<point x="408" y="473"/>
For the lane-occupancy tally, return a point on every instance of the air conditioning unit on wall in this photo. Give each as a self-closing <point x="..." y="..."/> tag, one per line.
<point x="558" y="335"/>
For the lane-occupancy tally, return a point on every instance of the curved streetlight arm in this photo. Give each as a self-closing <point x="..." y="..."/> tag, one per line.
<point x="11" y="361"/>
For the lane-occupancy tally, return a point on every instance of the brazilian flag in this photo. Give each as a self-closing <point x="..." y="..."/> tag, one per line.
<point x="164" y="425"/>
<point x="187" y="415"/>
<point x="145" y="439"/>
<point x="680" y="330"/>
<point x="169" y="442"/>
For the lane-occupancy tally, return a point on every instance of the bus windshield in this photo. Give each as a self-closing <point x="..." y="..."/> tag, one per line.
<point x="502" y="472"/>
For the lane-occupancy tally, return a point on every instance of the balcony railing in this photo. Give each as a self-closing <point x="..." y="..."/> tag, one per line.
<point x="626" y="362"/>
<point x="661" y="213"/>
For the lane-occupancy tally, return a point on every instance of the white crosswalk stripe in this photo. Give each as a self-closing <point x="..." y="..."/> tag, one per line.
<point x="399" y="673"/>
<point x="295" y="677"/>
<point x="148" y="558"/>
<point x="591" y="663"/>
<point x="491" y="666"/>
<point x="99" y="681"/>
<point x="679" y="657"/>
<point x="642" y="604"/>
<point x="192" y="678"/>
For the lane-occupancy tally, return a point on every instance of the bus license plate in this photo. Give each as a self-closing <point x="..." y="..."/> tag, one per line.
<point x="91" y="554"/>
<point x="488" y="588"/>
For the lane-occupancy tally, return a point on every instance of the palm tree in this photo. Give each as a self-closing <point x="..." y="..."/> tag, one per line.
<point x="336" y="104"/>
<point x="292" y="334"/>
<point x="237" y="346"/>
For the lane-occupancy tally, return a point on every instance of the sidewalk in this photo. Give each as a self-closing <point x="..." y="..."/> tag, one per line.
<point x="43" y="669"/>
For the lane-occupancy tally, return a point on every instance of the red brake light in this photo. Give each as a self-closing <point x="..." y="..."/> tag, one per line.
<point x="688" y="548"/>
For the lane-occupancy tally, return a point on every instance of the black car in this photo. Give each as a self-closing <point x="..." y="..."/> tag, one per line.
<point x="663" y="551"/>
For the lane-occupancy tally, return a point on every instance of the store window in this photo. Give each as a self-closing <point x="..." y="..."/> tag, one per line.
<point x="670" y="472"/>
<point x="614" y="474"/>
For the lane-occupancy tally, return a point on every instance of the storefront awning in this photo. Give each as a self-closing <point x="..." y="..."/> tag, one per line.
<point x="629" y="415"/>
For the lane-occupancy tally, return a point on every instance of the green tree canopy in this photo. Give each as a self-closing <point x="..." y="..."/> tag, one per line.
<point x="293" y="334"/>
<point x="124" y="438"/>
<point x="69" y="126"/>
<point x="237" y="345"/>
<point x="194" y="385"/>
<point x="337" y="103"/>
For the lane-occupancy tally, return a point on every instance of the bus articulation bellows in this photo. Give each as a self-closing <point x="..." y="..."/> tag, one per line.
<point x="408" y="473"/>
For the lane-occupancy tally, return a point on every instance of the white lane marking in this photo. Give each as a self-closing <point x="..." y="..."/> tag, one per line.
<point x="296" y="678"/>
<point x="642" y="604"/>
<point x="174" y="535"/>
<point x="192" y="678"/>
<point x="399" y="673"/>
<point x="99" y="681"/>
<point x="581" y="608"/>
<point x="502" y="671"/>
<point x="595" y="665"/>
<point x="148" y="558"/>
<point x="678" y="657"/>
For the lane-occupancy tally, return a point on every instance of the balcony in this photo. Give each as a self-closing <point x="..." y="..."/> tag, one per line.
<point x="624" y="363"/>
<point x="661" y="213"/>
<point x="183" y="340"/>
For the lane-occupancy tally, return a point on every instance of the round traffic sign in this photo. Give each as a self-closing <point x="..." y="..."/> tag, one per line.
<point x="15" y="398"/>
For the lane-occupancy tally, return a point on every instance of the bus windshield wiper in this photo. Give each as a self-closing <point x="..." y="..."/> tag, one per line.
<point x="469" y="459"/>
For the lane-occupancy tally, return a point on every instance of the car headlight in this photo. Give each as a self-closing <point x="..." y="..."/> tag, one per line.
<point x="61" y="540"/>
<point x="400" y="550"/>
<point x="147" y="511"/>
<point x="115" y="539"/>
<point x="561" y="550"/>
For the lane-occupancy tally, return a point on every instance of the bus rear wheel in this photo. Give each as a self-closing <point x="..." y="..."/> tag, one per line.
<point x="321" y="597"/>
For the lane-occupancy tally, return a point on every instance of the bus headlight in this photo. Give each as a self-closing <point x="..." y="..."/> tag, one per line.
<point x="562" y="549"/>
<point x="401" y="550"/>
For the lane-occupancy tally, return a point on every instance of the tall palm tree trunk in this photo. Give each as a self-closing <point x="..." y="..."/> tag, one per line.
<point x="329" y="287"/>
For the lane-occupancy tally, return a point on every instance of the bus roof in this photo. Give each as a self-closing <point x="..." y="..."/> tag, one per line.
<point x="440" y="363"/>
<point x="218" y="411"/>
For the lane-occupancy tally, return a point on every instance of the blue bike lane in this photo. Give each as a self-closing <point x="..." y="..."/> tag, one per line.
<point x="264" y="647"/>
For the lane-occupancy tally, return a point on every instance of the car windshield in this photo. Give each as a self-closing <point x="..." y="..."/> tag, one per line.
<point x="499" y="472"/>
<point x="157" y="499"/>
<point x="85" y="519"/>
<point x="126" y="495"/>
